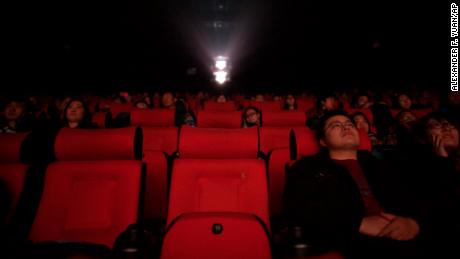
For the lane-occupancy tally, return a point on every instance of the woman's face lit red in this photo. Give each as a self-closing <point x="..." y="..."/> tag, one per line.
<point x="75" y="112"/>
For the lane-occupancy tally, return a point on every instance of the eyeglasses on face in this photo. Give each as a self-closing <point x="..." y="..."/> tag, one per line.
<point x="439" y="125"/>
<point x="342" y="125"/>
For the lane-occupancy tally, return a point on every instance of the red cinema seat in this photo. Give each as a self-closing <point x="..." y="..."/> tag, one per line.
<point x="101" y="119"/>
<point x="159" y="144"/>
<point x="305" y="104"/>
<point x="12" y="171"/>
<point x="216" y="235"/>
<point x="92" y="192"/>
<point x="153" y="118"/>
<point x="116" y="108"/>
<point x="302" y="143"/>
<point x="267" y="106"/>
<point x="219" y="119"/>
<point x="218" y="171"/>
<point x="273" y="138"/>
<point x="222" y="107"/>
<point x="283" y="119"/>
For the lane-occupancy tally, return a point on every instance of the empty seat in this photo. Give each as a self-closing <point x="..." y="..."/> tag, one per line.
<point x="215" y="106"/>
<point x="12" y="171"/>
<point x="219" y="119"/>
<point x="92" y="192"/>
<point x="302" y="142"/>
<point x="153" y="118"/>
<point x="267" y="106"/>
<point x="305" y="104"/>
<point x="273" y="138"/>
<point x="216" y="235"/>
<point x="283" y="119"/>
<point x="101" y="119"/>
<point x="160" y="143"/>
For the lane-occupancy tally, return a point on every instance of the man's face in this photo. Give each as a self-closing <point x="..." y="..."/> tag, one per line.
<point x="362" y="101"/>
<point x="14" y="110"/>
<point x="446" y="130"/>
<point x="404" y="102"/>
<point x="340" y="134"/>
<point x="252" y="116"/>
<point x="330" y="104"/>
<point x="167" y="100"/>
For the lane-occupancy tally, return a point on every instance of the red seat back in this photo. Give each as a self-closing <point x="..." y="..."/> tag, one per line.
<point x="267" y="106"/>
<point x="283" y="119"/>
<point x="153" y="118"/>
<point x="218" y="143"/>
<point x="219" y="119"/>
<point x="215" y="106"/>
<point x="11" y="147"/>
<point x="303" y="143"/>
<point x="162" y="139"/>
<point x="216" y="235"/>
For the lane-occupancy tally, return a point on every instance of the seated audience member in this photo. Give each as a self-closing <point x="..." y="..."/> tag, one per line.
<point x="325" y="103"/>
<point x="404" y="129"/>
<point x="290" y="103"/>
<point x="141" y="104"/>
<point x="168" y="100"/>
<point x="16" y="117"/>
<point x="362" y="123"/>
<point x="259" y="98"/>
<point x="348" y="200"/>
<point x="77" y="115"/>
<point x="221" y="98"/>
<point x="251" y="117"/>
<point x="182" y="116"/>
<point x="362" y="101"/>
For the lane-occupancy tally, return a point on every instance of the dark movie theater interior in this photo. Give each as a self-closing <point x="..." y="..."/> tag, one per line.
<point x="229" y="129"/>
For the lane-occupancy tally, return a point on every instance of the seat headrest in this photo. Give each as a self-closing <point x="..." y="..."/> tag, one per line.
<point x="219" y="119"/>
<point x="162" y="139"/>
<point x="11" y="147"/>
<point x="101" y="144"/>
<point x="215" y="106"/>
<point x="218" y="143"/>
<point x="267" y="106"/>
<point x="302" y="142"/>
<point x="153" y="118"/>
<point x="283" y="119"/>
<point x="365" y="142"/>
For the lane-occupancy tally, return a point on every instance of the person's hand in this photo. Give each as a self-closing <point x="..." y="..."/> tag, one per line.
<point x="373" y="225"/>
<point x="438" y="146"/>
<point x="400" y="228"/>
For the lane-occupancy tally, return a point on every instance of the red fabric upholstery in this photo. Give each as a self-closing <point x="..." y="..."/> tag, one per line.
<point x="13" y="176"/>
<point x="267" y="106"/>
<point x="116" y="108"/>
<point x="160" y="139"/>
<point x="219" y="185"/>
<point x="191" y="236"/>
<point x="87" y="144"/>
<point x="100" y="119"/>
<point x="271" y="138"/>
<point x="305" y="104"/>
<point x="422" y="112"/>
<point x="153" y="118"/>
<point x="156" y="184"/>
<point x="215" y="106"/>
<point x="276" y="176"/>
<point x="11" y="147"/>
<point x="218" y="143"/>
<point x="219" y="119"/>
<point x="283" y="119"/>
<point x="303" y="143"/>
<point x="364" y="141"/>
<point x="88" y="201"/>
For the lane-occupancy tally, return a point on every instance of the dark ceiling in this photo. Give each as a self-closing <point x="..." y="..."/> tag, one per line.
<point x="136" y="44"/>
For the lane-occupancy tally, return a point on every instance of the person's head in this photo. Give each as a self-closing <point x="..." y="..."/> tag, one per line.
<point x="76" y="114"/>
<point x="328" y="102"/>
<point x="404" y="101"/>
<point x="221" y="98"/>
<point x="259" y="98"/>
<point x="437" y="124"/>
<point x="141" y="104"/>
<point x="251" y="116"/>
<point x="276" y="98"/>
<point x="168" y="100"/>
<point x="337" y="132"/>
<point x="361" y="121"/>
<point x="362" y="101"/>
<point x="15" y="109"/>
<point x="290" y="103"/>
<point x="406" y="118"/>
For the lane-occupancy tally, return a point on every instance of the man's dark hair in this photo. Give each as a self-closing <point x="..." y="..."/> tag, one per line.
<point x="320" y="130"/>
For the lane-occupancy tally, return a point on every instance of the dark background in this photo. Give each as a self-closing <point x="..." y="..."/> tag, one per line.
<point x="103" y="46"/>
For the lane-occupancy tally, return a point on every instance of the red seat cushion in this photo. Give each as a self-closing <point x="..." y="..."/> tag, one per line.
<point x="283" y="119"/>
<point x="219" y="119"/>
<point x="101" y="144"/>
<point x="219" y="185"/>
<point x="215" y="106"/>
<point x="13" y="176"/>
<point x="153" y="118"/>
<point x="192" y="236"/>
<point x="218" y="143"/>
<point x="11" y="147"/>
<point x="88" y="201"/>
<point x="156" y="183"/>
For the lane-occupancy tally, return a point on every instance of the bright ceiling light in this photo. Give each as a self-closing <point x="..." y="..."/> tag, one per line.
<point x="221" y="64"/>
<point x="221" y="76"/>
